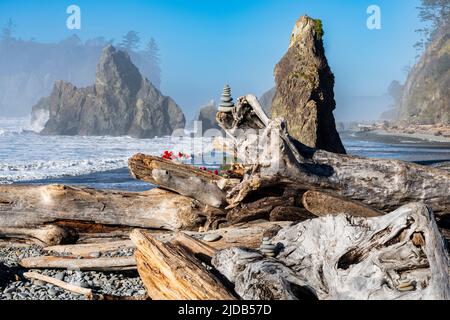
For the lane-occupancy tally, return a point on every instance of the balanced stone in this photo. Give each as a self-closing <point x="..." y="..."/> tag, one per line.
<point x="267" y="248"/>
<point x="226" y="104"/>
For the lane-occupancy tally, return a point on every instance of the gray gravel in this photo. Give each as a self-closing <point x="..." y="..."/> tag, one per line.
<point x="14" y="287"/>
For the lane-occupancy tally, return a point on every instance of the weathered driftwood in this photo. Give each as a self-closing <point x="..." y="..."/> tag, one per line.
<point x="256" y="277"/>
<point x="400" y="255"/>
<point x="195" y="247"/>
<point x="44" y="235"/>
<point x="85" y="250"/>
<point x="170" y="272"/>
<point x="71" y="263"/>
<point x="322" y="204"/>
<point x="59" y="283"/>
<point x="87" y="292"/>
<point x="24" y="206"/>
<point x="279" y="161"/>
<point x="270" y="205"/>
<point x="244" y="234"/>
<point x="274" y="205"/>
<point x="247" y="234"/>
<point x="181" y="178"/>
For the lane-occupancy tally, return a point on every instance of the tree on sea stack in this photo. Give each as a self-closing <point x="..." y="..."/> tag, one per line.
<point x="226" y="101"/>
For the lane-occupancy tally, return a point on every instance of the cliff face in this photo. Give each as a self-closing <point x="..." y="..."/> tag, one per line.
<point x="426" y="95"/>
<point x="304" y="89"/>
<point x="121" y="102"/>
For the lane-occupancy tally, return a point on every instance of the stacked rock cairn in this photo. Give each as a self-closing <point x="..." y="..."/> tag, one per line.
<point x="267" y="248"/>
<point x="226" y="101"/>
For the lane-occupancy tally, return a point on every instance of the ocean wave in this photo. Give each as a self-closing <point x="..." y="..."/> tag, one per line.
<point x="39" y="170"/>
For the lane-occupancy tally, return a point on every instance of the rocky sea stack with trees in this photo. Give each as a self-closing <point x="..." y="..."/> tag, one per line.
<point x="29" y="68"/>
<point x="121" y="102"/>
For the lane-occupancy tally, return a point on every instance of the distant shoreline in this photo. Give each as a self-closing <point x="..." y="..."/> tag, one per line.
<point x="390" y="137"/>
<point x="416" y="135"/>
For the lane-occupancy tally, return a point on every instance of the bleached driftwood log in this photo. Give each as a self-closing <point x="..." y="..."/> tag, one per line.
<point x="247" y="234"/>
<point x="87" y="249"/>
<point x="322" y="204"/>
<point x="48" y="235"/>
<point x="397" y="256"/>
<point x="170" y="272"/>
<point x="271" y="204"/>
<point x="73" y="263"/>
<point x="181" y="178"/>
<point x="59" y="283"/>
<point x="24" y="206"/>
<point x="277" y="160"/>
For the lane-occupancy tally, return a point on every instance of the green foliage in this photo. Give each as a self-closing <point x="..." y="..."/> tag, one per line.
<point x="130" y="41"/>
<point x="319" y="28"/>
<point x="7" y="31"/>
<point x="436" y="14"/>
<point x="395" y="90"/>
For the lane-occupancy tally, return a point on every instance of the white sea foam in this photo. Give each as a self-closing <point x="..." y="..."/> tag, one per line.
<point x="25" y="155"/>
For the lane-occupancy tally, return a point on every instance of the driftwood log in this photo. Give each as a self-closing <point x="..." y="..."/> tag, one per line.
<point x="86" y="250"/>
<point x="25" y="206"/>
<point x="271" y="204"/>
<point x="170" y="272"/>
<point x="322" y="204"/>
<point x="400" y="255"/>
<point x="273" y="159"/>
<point x="240" y="235"/>
<point x="59" y="283"/>
<point x="48" y="235"/>
<point x="73" y="263"/>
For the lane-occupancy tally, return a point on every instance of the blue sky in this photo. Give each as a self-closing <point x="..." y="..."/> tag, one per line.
<point x="208" y="43"/>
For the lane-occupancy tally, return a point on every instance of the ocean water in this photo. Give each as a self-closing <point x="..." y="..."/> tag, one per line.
<point x="101" y="162"/>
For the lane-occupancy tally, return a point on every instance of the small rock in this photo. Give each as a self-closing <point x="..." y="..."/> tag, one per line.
<point x="10" y="290"/>
<point x="60" y="275"/>
<point x="52" y="292"/>
<point x="39" y="283"/>
<point x="22" y="295"/>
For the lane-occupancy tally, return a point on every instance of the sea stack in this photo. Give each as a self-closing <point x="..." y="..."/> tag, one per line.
<point x="304" y="93"/>
<point x="226" y="101"/>
<point x="121" y="102"/>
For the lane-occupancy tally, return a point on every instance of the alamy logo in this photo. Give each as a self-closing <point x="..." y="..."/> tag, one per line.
<point x="374" y="20"/>
<point x="74" y="20"/>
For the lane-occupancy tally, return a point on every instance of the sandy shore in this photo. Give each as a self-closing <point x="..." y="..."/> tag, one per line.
<point x="415" y="135"/>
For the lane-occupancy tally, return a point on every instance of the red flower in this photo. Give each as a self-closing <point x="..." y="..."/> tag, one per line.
<point x="180" y="155"/>
<point x="167" y="155"/>
<point x="216" y="172"/>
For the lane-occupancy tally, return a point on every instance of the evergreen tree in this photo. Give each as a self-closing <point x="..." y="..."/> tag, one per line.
<point x="130" y="41"/>
<point x="151" y="54"/>
<point x="8" y="31"/>
<point x="435" y="15"/>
